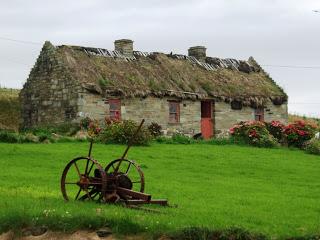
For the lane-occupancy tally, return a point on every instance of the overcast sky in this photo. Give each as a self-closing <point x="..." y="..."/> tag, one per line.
<point x="274" y="32"/>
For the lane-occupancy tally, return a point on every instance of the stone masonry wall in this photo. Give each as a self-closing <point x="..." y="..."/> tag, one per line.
<point x="157" y="110"/>
<point x="150" y="108"/>
<point x="49" y="96"/>
<point x="91" y="105"/>
<point x="225" y="117"/>
<point x="273" y="112"/>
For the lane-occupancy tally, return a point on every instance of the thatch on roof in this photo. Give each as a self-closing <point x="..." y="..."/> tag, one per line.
<point x="160" y="75"/>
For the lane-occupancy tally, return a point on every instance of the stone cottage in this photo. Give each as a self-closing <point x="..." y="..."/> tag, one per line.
<point x="190" y="94"/>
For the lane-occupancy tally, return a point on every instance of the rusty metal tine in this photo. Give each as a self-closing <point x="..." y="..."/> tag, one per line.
<point x="129" y="145"/>
<point x="90" y="148"/>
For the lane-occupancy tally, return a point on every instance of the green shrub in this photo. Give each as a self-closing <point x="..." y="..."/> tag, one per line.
<point x="155" y="129"/>
<point x="164" y="139"/>
<point x="66" y="139"/>
<point x="313" y="146"/>
<point x="28" y="138"/>
<point x="122" y="132"/>
<point x="45" y="136"/>
<point x="68" y="129"/>
<point x="9" y="137"/>
<point x="84" y="123"/>
<point x="254" y="133"/>
<point x="221" y="141"/>
<point x="181" y="139"/>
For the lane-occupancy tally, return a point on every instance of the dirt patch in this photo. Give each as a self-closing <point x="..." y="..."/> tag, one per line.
<point x="78" y="235"/>
<point x="49" y="235"/>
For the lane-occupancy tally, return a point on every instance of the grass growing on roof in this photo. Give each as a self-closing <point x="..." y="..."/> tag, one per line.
<point x="270" y="191"/>
<point x="132" y="78"/>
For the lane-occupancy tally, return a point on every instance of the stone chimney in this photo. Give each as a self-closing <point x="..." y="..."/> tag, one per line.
<point x="124" y="46"/>
<point x="199" y="52"/>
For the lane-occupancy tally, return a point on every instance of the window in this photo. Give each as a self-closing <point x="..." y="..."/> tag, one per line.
<point x="174" y="112"/>
<point x="236" y="105"/>
<point x="259" y="114"/>
<point x="115" y="109"/>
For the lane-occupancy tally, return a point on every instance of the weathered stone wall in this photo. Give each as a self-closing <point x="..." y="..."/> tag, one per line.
<point x="91" y="105"/>
<point x="273" y="112"/>
<point x="157" y="110"/>
<point x="150" y="108"/>
<point x="225" y="117"/>
<point x="49" y="96"/>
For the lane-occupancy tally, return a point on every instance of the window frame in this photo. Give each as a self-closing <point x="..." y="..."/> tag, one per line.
<point x="259" y="114"/>
<point x="176" y="118"/>
<point x="115" y="114"/>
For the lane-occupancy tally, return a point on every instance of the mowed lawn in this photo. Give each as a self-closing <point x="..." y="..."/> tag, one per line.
<point x="275" y="192"/>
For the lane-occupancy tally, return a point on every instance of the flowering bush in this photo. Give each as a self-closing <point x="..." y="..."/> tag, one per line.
<point x="109" y="121"/>
<point x="276" y="129"/>
<point x="298" y="133"/>
<point x="122" y="131"/>
<point x="254" y="133"/>
<point x="258" y="133"/>
<point x="93" y="128"/>
<point x="155" y="129"/>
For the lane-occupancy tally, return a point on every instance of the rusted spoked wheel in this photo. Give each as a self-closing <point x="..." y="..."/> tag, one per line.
<point x="128" y="176"/>
<point x="83" y="179"/>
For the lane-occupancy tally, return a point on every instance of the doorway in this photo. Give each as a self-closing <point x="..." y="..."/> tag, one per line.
<point x="206" y="119"/>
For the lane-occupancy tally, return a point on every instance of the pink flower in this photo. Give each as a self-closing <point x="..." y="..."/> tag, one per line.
<point x="231" y="130"/>
<point x="301" y="132"/>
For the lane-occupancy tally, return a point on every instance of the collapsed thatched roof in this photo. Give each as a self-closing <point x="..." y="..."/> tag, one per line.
<point x="161" y="75"/>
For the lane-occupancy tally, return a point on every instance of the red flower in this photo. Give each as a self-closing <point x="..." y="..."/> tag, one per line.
<point x="301" y="132"/>
<point x="98" y="130"/>
<point x="253" y="133"/>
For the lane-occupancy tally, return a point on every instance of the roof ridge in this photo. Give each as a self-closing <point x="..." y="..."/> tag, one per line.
<point x="211" y="63"/>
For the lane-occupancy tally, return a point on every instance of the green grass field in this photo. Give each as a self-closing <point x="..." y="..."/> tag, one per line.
<point x="275" y="192"/>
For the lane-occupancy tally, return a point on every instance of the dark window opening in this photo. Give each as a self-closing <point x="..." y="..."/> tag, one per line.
<point x="236" y="105"/>
<point x="69" y="114"/>
<point x="115" y="109"/>
<point x="174" y="112"/>
<point x="259" y="114"/>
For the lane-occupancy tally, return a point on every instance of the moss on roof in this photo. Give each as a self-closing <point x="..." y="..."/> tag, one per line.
<point x="161" y="75"/>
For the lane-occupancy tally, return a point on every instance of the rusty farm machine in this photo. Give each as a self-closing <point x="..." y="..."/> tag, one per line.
<point x="121" y="181"/>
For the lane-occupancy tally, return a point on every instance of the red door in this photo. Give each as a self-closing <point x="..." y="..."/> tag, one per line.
<point x="206" y="119"/>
